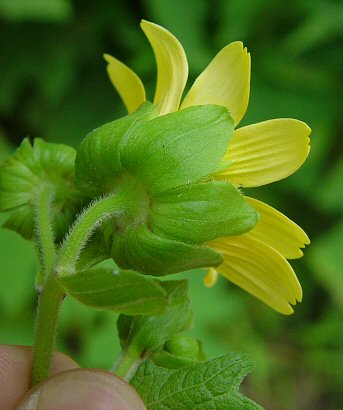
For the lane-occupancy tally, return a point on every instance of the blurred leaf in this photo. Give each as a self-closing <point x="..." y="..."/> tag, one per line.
<point x="5" y="148"/>
<point x="329" y="197"/>
<point x="241" y="16"/>
<point x="320" y="361"/>
<point x="101" y="347"/>
<point x="324" y="22"/>
<point x="185" y="20"/>
<point x="17" y="329"/>
<point x="327" y="332"/>
<point x="36" y="10"/>
<point x="17" y="270"/>
<point x="88" y="335"/>
<point x="326" y="260"/>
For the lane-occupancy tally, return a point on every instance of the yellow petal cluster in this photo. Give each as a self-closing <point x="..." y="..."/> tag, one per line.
<point x="258" y="154"/>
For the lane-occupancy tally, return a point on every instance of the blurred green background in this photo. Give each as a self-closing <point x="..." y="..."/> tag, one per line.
<point x="53" y="85"/>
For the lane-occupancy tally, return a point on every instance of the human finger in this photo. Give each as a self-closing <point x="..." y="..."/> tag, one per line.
<point x="15" y="372"/>
<point x="82" y="389"/>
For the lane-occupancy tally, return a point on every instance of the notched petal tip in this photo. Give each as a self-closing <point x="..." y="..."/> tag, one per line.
<point x="278" y="231"/>
<point x="299" y="296"/>
<point x="297" y="299"/>
<point x="260" y="270"/>
<point x="287" y="311"/>
<point x="266" y="152"/>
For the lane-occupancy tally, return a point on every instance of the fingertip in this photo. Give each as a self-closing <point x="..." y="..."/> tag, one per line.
<point x="61" y="362"/>
<point x="15" y="372"/>
<point x="83" y="389"/>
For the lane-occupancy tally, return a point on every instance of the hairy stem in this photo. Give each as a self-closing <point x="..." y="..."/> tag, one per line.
<point x="46" y="324"/>
<point x="44" y="234"/>
<point x="87" y="222"/>
<point x="52" y="295"/>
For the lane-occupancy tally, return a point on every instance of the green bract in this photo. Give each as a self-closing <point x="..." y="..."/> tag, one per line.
<point x="178" y="148"/>
<point x="98" y="158"/>
<point x="29" y="171"/>
<point x="200" y="212"/>
<point x="142" y="336"/>
<point x="167" y="163"/>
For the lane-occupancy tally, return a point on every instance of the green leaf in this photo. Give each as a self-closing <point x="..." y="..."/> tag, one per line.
<point x="56" y="160"/>
<point x="141" y="336"/>
<point x="26" y="172"/>
<point x="178" y="148"/>
<point x="204" y="386"/>
<point x="201" y="212"/>
<point x="120" y="291"/>
<point x="19" y="177"/>
<point x="140" y="249"/>
<point x="31" y="166"/>
<point x="98" y="159"/>
<point x="21" y="221"/>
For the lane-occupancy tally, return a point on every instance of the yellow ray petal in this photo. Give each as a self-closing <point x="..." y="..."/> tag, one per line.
<point x="210" y="278"/>
<point x="126" y="82"/>
<point x="225" y="81"/>
<point x="266" y="152"/>
<point x="172" y="67"/>
<point x="278" y="231"/>
<point x="260" y="270"/>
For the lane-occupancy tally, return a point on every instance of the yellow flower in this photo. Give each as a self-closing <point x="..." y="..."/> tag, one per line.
<point x="257" y="154"/>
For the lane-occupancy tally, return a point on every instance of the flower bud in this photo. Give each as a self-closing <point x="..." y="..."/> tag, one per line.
<point x="183" y="345"/>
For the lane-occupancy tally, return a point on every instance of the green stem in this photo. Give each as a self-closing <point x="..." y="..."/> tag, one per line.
<point x="46" y="323"/>
<point x="90" y="219"/>
<point x="126" y="365"/>
<point x="52" y="295"/>
<point x="44" y="234"/>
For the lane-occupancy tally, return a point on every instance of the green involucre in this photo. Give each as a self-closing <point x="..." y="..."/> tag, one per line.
<point x="162" y="164"/>
<point x="162" y="159"/>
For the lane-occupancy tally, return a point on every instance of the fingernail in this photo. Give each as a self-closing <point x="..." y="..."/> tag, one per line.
<point x="83" y="389"/>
